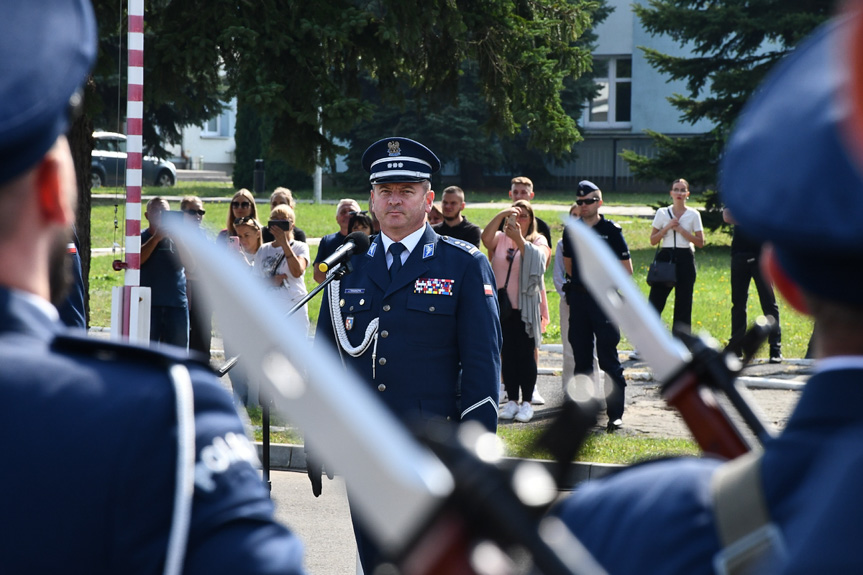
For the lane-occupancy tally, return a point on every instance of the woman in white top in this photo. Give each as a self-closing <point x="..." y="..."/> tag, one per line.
<point x="679" y="229"/>
<point x="283" y="262"/>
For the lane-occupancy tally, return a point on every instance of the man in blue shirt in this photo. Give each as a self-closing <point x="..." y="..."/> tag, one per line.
<point x="162" y="271"/>
<point x="330" y="242"/>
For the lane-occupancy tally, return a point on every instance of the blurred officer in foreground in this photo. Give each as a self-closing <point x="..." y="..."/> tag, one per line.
<point x="796" y="150"/>
<point x="418" y="310"/>
<point x="90" y="475"/>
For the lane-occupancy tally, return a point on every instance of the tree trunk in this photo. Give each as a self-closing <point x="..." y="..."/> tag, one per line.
<point x="81" y="142"/>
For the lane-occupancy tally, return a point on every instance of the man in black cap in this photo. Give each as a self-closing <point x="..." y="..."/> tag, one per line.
<point x="793" y="508"/>
<point x="418" y="317"/>
<point x="117" y="459"/>
<point x="587" y="321"/>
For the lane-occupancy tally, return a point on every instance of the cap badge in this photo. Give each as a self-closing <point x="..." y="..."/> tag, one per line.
<point x="394" y="148"/>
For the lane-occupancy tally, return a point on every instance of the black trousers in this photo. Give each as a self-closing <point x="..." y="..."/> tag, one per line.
<point x="686" y="273"/>
<point x="200" y="320"/>
<point x="586" y="323"/>
<point x="517" y="359"/>
<point x="745" y="268"/>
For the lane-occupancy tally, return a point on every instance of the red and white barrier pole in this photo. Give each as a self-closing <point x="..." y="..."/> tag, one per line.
<point x="133" y="308"/>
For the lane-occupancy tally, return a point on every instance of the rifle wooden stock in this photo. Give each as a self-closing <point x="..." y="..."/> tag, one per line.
<point x="710" y="425"/>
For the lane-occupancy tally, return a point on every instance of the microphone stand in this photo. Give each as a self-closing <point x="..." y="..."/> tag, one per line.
<point x="335" y="273"/>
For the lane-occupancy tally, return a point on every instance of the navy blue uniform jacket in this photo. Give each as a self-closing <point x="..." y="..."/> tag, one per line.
<point x="90" y="461"/>
<point x="438" y="319"/>
<point x="658" y="518"/>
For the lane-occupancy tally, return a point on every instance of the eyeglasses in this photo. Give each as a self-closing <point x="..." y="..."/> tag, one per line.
<point x="195" y="212"/>
<point x="510" y="254"/>
<point x="240" y="205"/>
<point x="247" y="221"/>
<point x="586" y="201"/>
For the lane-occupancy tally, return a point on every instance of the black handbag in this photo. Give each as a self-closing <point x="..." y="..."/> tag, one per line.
<point x="661" y="273"/>
<point x="503" y="297"/>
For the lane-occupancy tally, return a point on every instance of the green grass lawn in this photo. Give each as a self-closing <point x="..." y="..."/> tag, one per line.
<point x="711" y="308"/>
<point x="711" y="302"/>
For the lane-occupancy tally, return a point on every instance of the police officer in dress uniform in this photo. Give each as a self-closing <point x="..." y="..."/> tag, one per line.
<point x="587" y="322"/>
<point x="418" y="310"/>
<point x="116" y="459"/>
<point x="797" y="149"/>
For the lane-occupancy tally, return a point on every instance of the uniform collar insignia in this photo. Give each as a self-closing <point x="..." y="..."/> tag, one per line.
<point x="372" y="249"/>
<point x="428" y="250"/>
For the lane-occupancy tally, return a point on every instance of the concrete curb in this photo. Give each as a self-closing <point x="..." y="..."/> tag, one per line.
<point x="287" y="457"/>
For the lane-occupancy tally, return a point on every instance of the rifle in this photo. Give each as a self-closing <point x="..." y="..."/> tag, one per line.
<point x="442" y="506"/>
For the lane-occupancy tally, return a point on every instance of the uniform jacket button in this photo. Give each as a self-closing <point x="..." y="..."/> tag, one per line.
<point x="385" y="334"/>
<point x="382" y="361"/>
<point x="386" y="307"/>
<point x="431" y="308"/>
<point x="382" y="387"/>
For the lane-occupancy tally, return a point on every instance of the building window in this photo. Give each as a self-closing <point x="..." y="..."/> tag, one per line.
<point x="612" y="106"/>
<point x="217" y="127"/>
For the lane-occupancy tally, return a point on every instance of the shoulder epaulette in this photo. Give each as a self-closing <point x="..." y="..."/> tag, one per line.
<point x="466" y="246"/>
<point x="117" y="351"/>
<point x="613" y="223"/>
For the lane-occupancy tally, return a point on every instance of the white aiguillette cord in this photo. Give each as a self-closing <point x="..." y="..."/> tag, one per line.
<point x="341" y="334"/>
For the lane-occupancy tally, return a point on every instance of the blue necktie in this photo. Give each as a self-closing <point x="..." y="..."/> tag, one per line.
<point x="396" y="250"/>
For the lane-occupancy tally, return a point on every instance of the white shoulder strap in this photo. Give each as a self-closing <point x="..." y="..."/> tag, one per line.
<point x="184" y="489"/>
<point x="749" y="539"/>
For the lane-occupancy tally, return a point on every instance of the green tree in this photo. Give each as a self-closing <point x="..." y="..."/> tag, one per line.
<point x="459" y="129"/>
<point x="307" y="64"/>
<point x="733" y="46"/>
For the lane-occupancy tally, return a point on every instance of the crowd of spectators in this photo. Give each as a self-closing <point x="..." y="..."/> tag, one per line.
<point x="519" y="248"/>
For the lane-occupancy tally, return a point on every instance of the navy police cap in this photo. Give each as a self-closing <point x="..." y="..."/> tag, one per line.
<point x="791" y="172"/>
<point x="399" y="160"/>
<point x="585" y="187"/>
<point x="47" y="48"/>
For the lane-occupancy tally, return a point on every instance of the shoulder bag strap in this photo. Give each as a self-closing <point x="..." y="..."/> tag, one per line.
<point x="509" y="271"/>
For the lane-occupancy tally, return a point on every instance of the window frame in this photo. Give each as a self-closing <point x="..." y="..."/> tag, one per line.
<point x="612" y="81"/>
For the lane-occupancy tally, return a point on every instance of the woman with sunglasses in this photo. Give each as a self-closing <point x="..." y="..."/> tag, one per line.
<point x="518" y="257"/>
<point x="242" y="205"/>
<point x="248" y="231"/>
<point x="679" y="229"/>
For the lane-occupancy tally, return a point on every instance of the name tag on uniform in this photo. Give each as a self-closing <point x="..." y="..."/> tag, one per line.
<point x="433" y="286"/>
<point x="354" y="290"/>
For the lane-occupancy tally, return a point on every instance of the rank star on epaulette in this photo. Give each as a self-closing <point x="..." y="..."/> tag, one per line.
<point x="434" y="286"/>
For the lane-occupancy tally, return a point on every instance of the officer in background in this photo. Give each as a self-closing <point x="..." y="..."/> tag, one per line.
<point x="796" y="149"/>
<point x="418" y="309"/>
<point x="117" y="459"/>
<point x="587" y="322"/>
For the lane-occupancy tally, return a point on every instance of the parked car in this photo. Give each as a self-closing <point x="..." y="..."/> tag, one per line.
<point x="108" y="164"/>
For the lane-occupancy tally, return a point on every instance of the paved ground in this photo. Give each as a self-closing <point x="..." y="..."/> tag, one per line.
<point x="647" y="414"/>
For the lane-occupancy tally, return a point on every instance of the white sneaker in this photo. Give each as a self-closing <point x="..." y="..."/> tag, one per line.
<point x="537" y="398"/>
<point x="509" y="410"/>
<point x="502" y="395"/>
<point x="525" y="412"/>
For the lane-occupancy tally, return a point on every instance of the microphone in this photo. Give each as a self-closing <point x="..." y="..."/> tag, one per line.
<point x="355" y="243"/>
